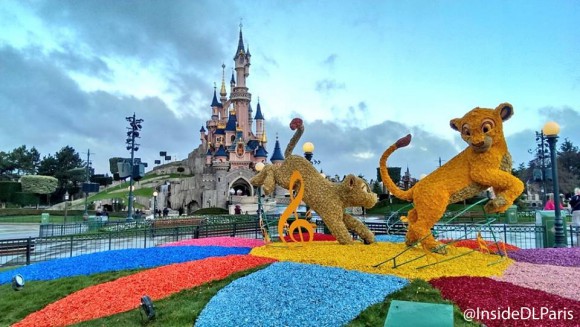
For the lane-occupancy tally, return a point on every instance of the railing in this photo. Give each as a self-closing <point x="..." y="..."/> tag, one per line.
<point x="47" y="248"/>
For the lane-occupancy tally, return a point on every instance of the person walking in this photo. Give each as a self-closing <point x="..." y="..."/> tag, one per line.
<point x="575" y="207"/>
<point x="550" y="204"/>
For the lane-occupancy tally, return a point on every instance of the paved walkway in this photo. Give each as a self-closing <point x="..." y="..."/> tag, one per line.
<point x="17" y="230"/>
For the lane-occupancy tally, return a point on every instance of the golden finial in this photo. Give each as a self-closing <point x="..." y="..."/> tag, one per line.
<point x="223" y="88"/>
<point x="264" y="139"/>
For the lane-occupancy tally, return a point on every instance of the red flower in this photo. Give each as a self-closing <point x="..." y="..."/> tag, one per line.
<point x="124" y="294"/>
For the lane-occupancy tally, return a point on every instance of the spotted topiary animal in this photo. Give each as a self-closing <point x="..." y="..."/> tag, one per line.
<point x="485" y="163"/>
<point x="328" y="199"/>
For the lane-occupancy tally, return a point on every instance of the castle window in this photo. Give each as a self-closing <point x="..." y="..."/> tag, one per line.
<point x="219" y="179"/>
<point x="233" y="138"/>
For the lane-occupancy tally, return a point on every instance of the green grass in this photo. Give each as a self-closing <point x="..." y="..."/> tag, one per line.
<point x="417" y="291"/>
<point x="37" y="294"/>
<point x="181" y="309"/>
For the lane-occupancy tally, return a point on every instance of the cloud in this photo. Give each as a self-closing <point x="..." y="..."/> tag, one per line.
<point x="327" y="86"/>
<point x="330" y="61"/>
<point x="44" y="108"/>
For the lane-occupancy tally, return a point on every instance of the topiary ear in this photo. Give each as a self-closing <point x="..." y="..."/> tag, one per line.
<point x="454" y="124"/>
<point x="349" y="181"/>
<point x="505" y="110"/>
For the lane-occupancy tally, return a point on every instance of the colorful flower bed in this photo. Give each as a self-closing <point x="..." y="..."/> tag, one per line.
<point x="495" y="302"/>
<point x="491" y="246"/>
<point x="117" y="260"/>
<point x="362" y="257"/>
<point x="568" y="257"/>
<point x="293" y="294"/>
<point x="219" y="241"/>
<point x="318" y="283"/>
<point x="124" y="293"/>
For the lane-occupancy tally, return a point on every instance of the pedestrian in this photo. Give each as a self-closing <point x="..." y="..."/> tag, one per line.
<point x="550" y="204"/>
<point x="575" y="207"/>
<point x="180" y="210"/>
<point x="165" y="212"/>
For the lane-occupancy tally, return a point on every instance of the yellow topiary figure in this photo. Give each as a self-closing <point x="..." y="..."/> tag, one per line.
<point x="328" y="199"/>
<point x="485" y="162"/>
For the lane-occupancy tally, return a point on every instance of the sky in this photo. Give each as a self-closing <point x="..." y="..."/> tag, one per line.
<point x="361" y="74"/>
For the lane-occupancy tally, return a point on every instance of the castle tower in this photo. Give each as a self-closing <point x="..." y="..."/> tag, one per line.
<point x="259" y="121"/>
<point x="223" y="96"/>
<point x="240" y="97"/>
<point x="230" y="129"/>
<point x="277" y="157"/>
<point x="202" y="136"/>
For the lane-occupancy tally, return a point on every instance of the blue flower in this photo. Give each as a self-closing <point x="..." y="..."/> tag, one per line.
<point x="117" y="260"/>
<point x="296" y="294"/>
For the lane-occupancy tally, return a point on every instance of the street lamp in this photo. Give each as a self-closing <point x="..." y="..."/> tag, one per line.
<point x="132" y="133"/>
<point x="551" y="130"/>
<point x="541" y="153"/>
<point x="232" y="192"/>
<point x="308" y="149"/>
<point x="66" y="197"/>
<point x="155" y="194"/>
<point x="259" y="167"/>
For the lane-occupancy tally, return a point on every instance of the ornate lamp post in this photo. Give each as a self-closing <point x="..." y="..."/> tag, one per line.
<point x="66" y="197"/>
<point x="155" y="203"/>
<point x="551" y="130"/>
<point x="232" y="192"/>
<point x="132" y="134"/>
<point x="308" y="149"/>
<point x="259" y="167"/>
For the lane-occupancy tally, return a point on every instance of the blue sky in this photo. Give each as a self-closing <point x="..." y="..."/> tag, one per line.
<point x="360" y="73"/>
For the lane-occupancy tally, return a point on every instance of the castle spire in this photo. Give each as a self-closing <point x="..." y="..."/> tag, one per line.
<point x="277" y="156"/>
<point x="223" y="88"/>
<point x="240" y="50"/>
<point x="215" y="102"/>
<point x="264" y="139"/>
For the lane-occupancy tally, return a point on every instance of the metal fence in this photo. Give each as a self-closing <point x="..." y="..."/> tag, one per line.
<point x="30" y="250"/>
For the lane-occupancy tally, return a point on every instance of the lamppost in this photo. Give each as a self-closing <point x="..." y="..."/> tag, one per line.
<point x="551" y="130"/>
<point x="135" y="127"/>
<point x="155" y="194"/>
<point x="308" y="149"/>
<point x="259" y="166"/>
<point x="232" y="192"/>
<point x="541" y="154"/>
<point x="66" y="197"/>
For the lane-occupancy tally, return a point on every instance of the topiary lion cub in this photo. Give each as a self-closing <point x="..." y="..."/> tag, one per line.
<point x="328" y="199"/>
<point x="485" y="162"/>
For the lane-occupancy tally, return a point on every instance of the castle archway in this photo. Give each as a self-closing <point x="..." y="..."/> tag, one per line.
<point x="242" y="187"/>
<point x="192" y="206"/>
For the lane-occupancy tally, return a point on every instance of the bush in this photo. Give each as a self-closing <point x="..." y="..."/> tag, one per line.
<point x="211" y="211"/>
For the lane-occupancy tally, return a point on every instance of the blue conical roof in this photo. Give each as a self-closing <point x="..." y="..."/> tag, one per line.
<point x="231" y="125"/>
<point x="261" y="152"/>
<point x="277" y="152"/>
<point x="221" y="152"/>
<point x="240" y="45"/>
<point x="202" y="129"/>
<point x="215" y="102"/>
<point x="259" y="113"/>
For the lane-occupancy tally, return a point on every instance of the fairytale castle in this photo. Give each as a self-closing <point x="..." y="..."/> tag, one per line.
<point x="233" y="140"/>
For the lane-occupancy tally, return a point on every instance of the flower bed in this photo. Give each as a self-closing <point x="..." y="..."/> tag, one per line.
<point x="316" y="283"/>
<point x="362" y="257"/>
<point x="497" y="303"/>
<point x="303" y="295"/>
<point x="491" y="246"/>
<point x="569" y="257"/>
<point x="124" y="293"/>
<point x="117" y="260"/>
<point x="541" y="277"/>
<point x="219" y="241"/>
